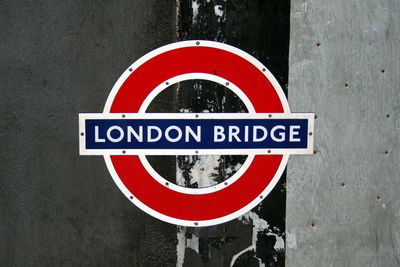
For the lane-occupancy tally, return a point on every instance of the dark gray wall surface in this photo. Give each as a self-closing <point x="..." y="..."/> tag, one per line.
<point x="59" y="58"/>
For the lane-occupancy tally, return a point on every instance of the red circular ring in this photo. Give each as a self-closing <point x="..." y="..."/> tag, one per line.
<point x="196" y="59"/>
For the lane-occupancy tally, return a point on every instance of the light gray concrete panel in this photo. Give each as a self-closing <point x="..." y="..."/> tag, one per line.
<point x="343" y="203"/>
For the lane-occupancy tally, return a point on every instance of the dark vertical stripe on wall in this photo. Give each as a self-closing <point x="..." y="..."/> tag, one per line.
<point x="260" y="28"/>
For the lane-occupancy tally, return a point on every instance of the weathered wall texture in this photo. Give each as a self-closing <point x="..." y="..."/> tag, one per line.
<point x="260" y="28"/>
<point x="59" y="58"/>
<point x="343" y="205"/>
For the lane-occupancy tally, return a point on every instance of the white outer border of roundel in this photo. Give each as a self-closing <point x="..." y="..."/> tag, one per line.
<point x="194" y="43"/>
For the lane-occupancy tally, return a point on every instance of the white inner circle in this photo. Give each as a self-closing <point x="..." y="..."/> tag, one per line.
<point x="196" y="76"/>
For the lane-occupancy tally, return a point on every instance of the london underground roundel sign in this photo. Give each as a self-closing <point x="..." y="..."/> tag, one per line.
<point x="124" y="133"/>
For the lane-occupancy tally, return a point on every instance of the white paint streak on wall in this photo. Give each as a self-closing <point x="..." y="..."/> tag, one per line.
<point x="258" y="225"/>
<point x="183" y="243"/>
<point x="235" y="257"/>
<point x="184" y="110"/>
<point x="279" y="244"/>
<point x="179" y="177"/>
<point x="193" y="243"/>
<point x="181" y="246"/>
<point x="203" y="170"/>
<point x="195" y="9"/>
<point x="218" y="10"/>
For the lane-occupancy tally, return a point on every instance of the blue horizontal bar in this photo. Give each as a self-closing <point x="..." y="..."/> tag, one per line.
<point x="196" y="133"/>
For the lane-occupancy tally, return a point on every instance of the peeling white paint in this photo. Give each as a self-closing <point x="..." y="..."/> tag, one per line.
<point x="184" y="110"/>
<point x="183" y="243"/>
<point x="279" y="244"/>
<point x="245" y="218"/>
<point x="179" y="176"/>
<point x="231" y="170"/>
<point x="181" y="246"/>
<point x="218" y="10"/>
<point x="258" y="225"/>
<point x="195" y="9"/>
<point x="193" y="243"/>
<point x="203" y="170"/>
<point x="236" y="256"/>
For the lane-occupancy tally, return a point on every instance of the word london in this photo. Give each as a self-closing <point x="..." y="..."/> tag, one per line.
<point x="174" y="133"/>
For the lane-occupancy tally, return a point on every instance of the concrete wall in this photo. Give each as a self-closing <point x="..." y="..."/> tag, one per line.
<point x="343" y="203"/>
<point x="59" y="58"/>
